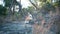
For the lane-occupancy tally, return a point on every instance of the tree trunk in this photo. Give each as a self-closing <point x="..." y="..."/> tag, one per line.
<point x="57" y="10"/>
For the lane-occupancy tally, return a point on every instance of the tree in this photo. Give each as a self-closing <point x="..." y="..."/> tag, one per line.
<point x="57" y="6"/>
<point x="11" y="4"/>
<point x="50" y="5"/>
<point x="3" y="11"/>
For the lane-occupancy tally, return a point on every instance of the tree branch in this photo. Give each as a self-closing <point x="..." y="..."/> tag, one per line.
<point x="33" y="4"/>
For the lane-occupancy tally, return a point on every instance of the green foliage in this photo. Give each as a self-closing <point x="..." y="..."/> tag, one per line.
<point x="7" y="2"/>
<point x="3" y="11"/>
<point x="42" y="0"/>
<point x="57" y="3"/>
<point x="48" y="7"/>
<point x="29" y="9"/>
